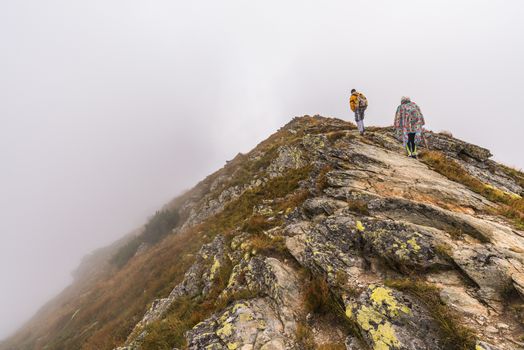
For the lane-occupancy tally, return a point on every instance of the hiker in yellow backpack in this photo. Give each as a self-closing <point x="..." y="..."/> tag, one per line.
<point x="358" y="103"/>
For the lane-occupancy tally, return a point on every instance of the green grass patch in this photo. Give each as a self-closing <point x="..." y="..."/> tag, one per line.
<point x="241" y="209"/>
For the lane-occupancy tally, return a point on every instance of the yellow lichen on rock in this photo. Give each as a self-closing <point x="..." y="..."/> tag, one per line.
<point x="245" y="317"/>
<point x="413" y="243"/>
<point x="238" y="306"/>
<point x="359" y="226"/>
<point x="349" y="312"/>
<point x="261" y="324"/>
<point x="225" y="331"/>
<point x="214" y="268"/>
<point x="382" y="297"/>
<point x="224" y="317"/>
<point x="367" y="317"/>
<point x="232" y="346"/>
<point x="375" y="319"/>
<point x="384" y="337"/>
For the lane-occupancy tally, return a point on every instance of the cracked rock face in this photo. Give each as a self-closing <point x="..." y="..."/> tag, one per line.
<point x="261" y="323"/>
<point x="252" y="324"/>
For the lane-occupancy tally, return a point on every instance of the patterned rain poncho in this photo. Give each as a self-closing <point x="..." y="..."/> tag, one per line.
<point x="408" y="119"/>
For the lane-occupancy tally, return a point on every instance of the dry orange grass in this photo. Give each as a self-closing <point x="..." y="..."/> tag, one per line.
<point x="510" y="206"/>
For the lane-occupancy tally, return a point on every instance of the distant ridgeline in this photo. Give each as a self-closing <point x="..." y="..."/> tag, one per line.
<point x="318" y="238"/>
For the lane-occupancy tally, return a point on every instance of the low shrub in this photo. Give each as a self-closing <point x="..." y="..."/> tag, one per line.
<point x="126" y="252"/>
<point x="158" y="226"/>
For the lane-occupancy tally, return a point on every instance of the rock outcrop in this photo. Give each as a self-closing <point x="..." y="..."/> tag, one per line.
<point x="378" y="216"/>
<point x="324" y="239"/>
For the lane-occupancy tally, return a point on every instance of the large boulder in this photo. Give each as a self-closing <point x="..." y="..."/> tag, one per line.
<point x="389" y="319"/>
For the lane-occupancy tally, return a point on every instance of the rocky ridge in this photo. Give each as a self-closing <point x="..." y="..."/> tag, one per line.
<point x="321" y="238"/>
<point x="379" y="217"/>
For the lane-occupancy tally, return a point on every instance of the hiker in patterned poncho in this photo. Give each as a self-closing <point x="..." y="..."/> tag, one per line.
<point x="408" y="125"/>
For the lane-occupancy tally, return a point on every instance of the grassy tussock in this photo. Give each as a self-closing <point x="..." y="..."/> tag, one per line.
<point x="358" y="206"/>
<point x="269" y="246"/>
<point x="321" y="182"/>
<point x="510" y="206"/>
<point x="320" y="299"/>
<point x="258" y="224"/>
<point x="444" y="251"/>
<point x="454" y="335"/>
<point x="517" y="175"/>
<point x="336" y="135"/>
<point x="184" y="314"/>
<point x="317" y="296"/>
<point x="304" y="337"/>
<point x="292" y="201"/>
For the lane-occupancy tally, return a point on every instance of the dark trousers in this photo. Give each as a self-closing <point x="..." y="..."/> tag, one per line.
<point x="411" y="143"/>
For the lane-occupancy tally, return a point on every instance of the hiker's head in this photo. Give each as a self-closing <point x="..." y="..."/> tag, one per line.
<point x="353" y="91"/>
<point x="405" y="99"/>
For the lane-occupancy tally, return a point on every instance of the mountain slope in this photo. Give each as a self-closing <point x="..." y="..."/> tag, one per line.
<point x="318" y="238"/>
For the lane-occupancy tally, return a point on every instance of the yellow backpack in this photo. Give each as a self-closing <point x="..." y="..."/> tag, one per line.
<point x="362" y="100"/>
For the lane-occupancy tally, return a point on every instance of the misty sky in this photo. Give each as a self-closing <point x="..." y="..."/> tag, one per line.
<point x="109" y="108"/>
